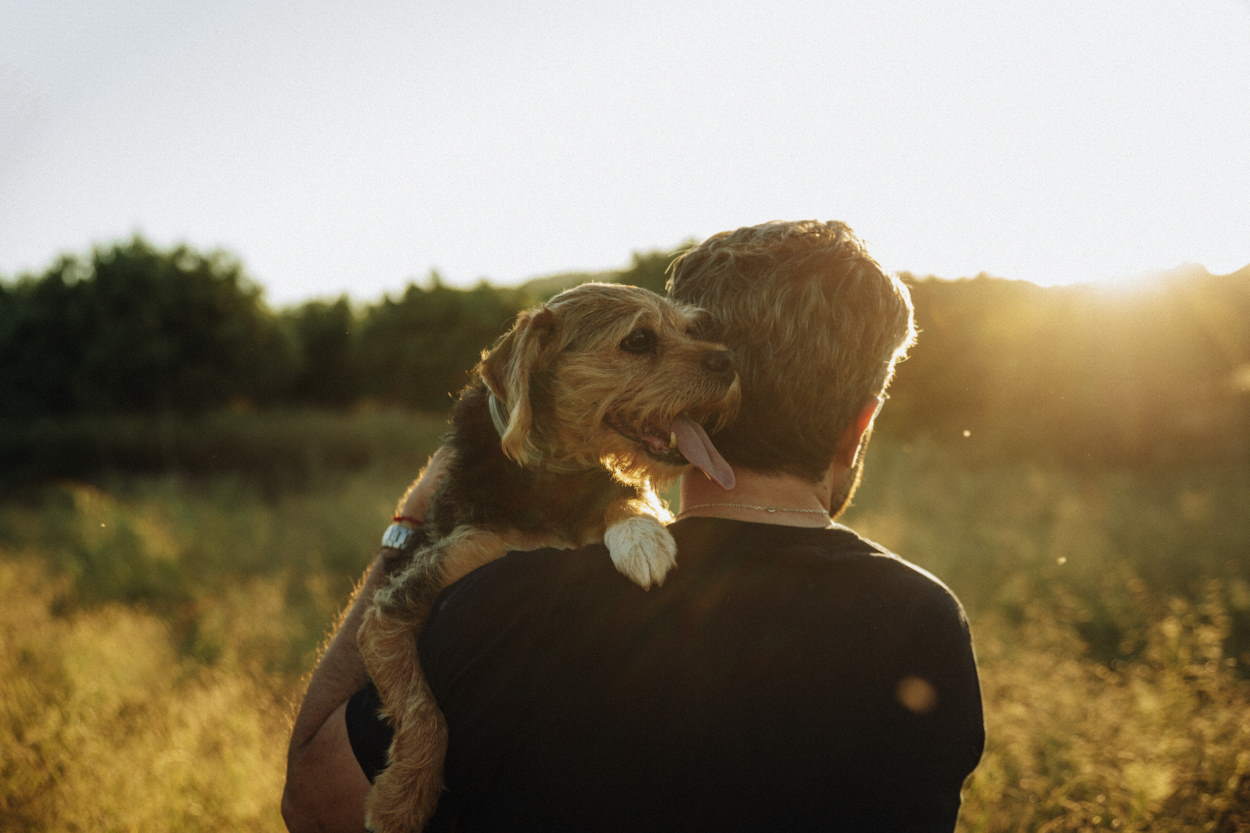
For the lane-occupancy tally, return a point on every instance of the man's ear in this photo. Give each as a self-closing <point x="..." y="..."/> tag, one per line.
<point x="853" y="436"/>
<point x="506" y="369"/>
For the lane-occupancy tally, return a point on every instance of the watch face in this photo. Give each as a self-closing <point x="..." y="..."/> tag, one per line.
<point x="397" y="537"/>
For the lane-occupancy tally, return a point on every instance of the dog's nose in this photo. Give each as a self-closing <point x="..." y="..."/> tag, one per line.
<point x="718" y="361"/>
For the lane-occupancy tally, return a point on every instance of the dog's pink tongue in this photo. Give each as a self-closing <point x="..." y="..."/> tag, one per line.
<point x="695" y="445"/>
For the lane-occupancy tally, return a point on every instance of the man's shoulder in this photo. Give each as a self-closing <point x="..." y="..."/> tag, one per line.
<point x="837" y="552"/>
<point x="912" y="587"/>
<point x="532" y="578"/>
<point x="868" y="575"/>
<point x="591" y="562"/>
<point x="713" y="550"/>
<point x="911" y="577"/>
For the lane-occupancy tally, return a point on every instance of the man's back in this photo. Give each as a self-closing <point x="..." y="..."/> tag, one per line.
<point x="781" y="679"/>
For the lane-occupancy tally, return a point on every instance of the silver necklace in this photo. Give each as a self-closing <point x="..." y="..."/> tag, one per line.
<point x="772" y="510"/>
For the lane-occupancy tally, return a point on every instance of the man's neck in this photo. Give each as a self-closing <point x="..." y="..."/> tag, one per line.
<point x="761" y="497"/>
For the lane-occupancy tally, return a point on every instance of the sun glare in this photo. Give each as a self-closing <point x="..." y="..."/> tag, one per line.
<point x="1125" y="283"/>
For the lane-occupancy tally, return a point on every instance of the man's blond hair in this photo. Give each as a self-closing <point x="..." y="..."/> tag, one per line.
<point x="816" y="327"/>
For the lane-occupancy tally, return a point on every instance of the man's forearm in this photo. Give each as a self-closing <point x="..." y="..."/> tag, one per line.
<point x="340" y="672"/>
<point x="325" y="788"/>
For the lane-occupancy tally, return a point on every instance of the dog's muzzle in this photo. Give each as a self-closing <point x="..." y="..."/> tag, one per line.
<point x="684" y="442"/>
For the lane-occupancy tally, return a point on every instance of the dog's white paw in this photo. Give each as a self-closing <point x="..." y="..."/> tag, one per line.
<point x="642" y="549"/>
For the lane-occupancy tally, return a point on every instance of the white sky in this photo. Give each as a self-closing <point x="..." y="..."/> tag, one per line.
<point x="339" y="150"/>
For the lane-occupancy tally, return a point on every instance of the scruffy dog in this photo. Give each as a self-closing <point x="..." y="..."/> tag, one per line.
<point x="572" y="417"/>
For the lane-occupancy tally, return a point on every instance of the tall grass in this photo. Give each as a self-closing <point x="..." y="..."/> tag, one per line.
<point x="155" y="631"/>
<point x="106" y="724"/>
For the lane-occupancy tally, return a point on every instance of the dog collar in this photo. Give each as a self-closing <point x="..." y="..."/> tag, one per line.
<point x="498" y="415"/>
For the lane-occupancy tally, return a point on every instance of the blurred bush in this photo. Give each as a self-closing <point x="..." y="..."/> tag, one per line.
<point x="1157" y="376"/>
<point x="134" y="328"/>
<point x="275" y="450"/>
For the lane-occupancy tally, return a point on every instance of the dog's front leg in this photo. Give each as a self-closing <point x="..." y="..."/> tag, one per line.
<point x="406" y="793"/>
<point x="641" y="548"/>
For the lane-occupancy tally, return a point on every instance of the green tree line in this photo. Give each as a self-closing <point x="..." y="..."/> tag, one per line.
<point x="1006" y="366"/>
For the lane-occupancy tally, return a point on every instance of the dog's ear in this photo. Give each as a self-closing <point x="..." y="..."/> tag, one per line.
<point x="506" y="369"/>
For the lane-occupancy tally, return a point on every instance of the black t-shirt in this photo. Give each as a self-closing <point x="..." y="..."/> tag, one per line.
<point x="781" y="679"/>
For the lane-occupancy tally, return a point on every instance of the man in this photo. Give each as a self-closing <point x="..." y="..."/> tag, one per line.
<point x="789" y="675"/>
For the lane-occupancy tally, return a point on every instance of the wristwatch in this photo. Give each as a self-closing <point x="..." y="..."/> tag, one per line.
<point x="402" y="537"/>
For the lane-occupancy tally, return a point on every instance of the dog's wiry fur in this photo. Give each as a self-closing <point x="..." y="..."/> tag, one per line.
<point x="589" y="405"/>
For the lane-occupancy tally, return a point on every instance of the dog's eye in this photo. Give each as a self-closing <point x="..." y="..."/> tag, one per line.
<point x="641" y="340"/>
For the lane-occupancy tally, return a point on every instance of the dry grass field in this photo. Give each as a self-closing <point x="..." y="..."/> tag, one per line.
<point x="155" y="630"/>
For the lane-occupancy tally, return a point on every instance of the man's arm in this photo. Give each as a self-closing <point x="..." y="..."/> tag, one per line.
<point x="942" y="699"/>
<point x="325" y="788"/>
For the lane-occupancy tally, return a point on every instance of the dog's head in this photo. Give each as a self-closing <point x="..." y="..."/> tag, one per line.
<point x="613" y="375"/>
